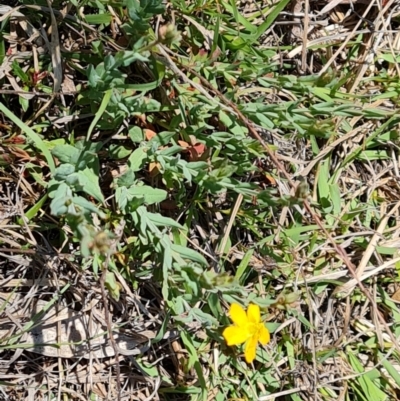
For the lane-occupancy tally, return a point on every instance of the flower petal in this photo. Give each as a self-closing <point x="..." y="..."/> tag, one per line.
<point x="253" y="313"/>
<point x="250" y="350"/>
<point x="264" y="336"/>
<point x="235" y="335"/>
<point x="238" y="315"/>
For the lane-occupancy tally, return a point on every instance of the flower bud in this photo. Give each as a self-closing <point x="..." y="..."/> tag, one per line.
<point x="168" y="34"/>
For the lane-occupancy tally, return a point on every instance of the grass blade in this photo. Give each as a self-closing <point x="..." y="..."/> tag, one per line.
<point x="33" y="136"/>
<point x="102" y="108"/>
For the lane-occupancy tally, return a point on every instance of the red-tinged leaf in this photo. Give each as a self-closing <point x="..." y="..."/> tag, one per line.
<point x="196" y="151"/>
<point x="16" y="140"/>
<point x="149" y="134"/>
<point x="203" y="52"/>
<point x="215" y="54"/>
<point x="172" y="94"/>
<point x="270" y="179"/>
<point x="200" y="148"/>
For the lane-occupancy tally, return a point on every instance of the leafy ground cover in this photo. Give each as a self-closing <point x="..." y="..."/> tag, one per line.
<point x="164" y="163"/>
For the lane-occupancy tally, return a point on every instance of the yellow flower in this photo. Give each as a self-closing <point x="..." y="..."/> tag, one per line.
<point x="247" y="328"/>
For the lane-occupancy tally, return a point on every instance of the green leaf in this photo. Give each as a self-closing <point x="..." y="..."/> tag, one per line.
<point x="389" y="367"/>
<point x="324" y="194"/>
<point x="141" y="87"/>
<point x="240" y="20"/>
<point x="136" y="134"/>
<point x="19" y="72"/>
<point x="87" y="206"/>
<point x="118" y="151"/>
<point x="162" y="138"/>
<point x="194" y="362"/>
<point x="161" y="221"/>
<point x="149" y="369"/>
<point x="31" y="213"/>
<point x="98" y="19"/>
<point x="167" y="264"/>
<point x="163" y="329"/>
<point x="188" y="253"/>
<point x="64" y="171"/>
<point x="336" y="199"/>
<point x="368" y="155"/>
<point x="122" y="197"/>
<point x="89" y="182"/>
<point x="389" y="58"/>
<point x="368" y="386"/>
<point x="272" y="16"/>
<point x="127" y="179"/>
<point x="100" y="112"/>
<point x="2" y="49"/>
<point x="36" y="172"/>
<point x="149" y="194"/>
<point x="24" y="102"/>
<point x="141" y="11"/>
<point x="137" y="158"/>
<point x="61" y="200"/>
<point x="243" y="264"/>
<point x="112" y="286"/>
